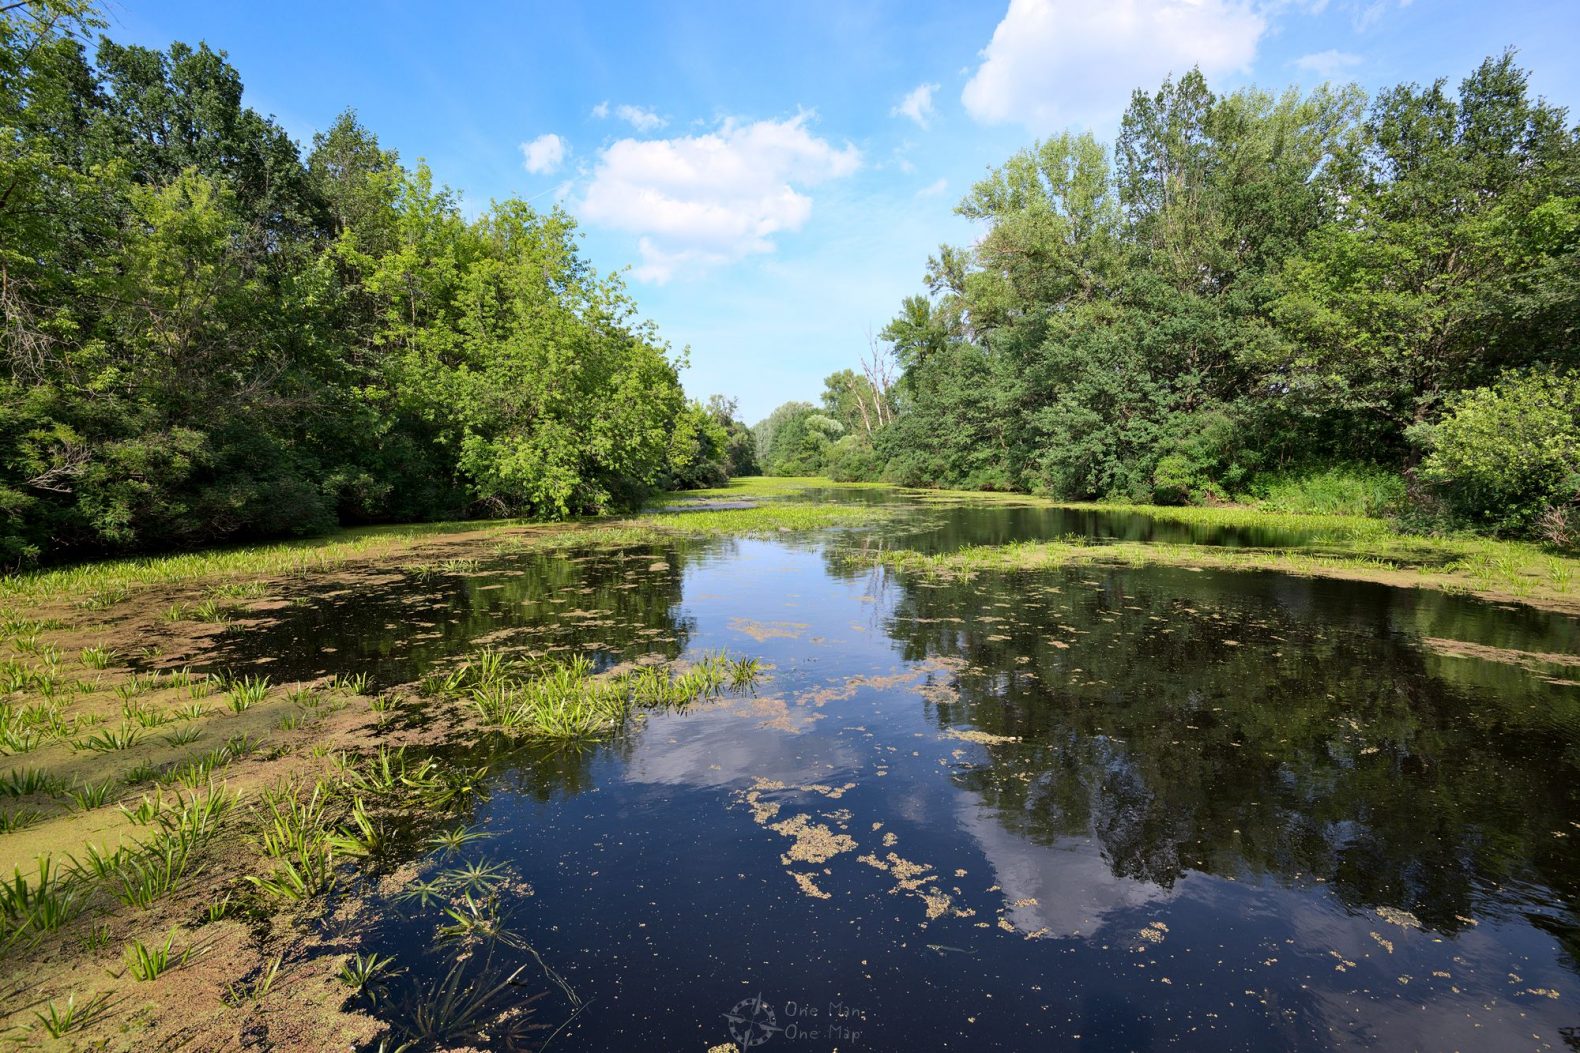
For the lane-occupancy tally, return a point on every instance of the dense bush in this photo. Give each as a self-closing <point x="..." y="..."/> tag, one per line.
<point x="853" y="460"/>
<point x="1507" y="456"/>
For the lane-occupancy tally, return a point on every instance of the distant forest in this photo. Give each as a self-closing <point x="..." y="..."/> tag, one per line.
<point x="209" y="336"/>
<point x="1316" y="299"/>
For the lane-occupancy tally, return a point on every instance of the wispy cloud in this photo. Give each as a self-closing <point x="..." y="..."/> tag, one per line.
<point x="917" y="104"/>
<point x="1329" y="63"/>
<point x="641" y="119"/>
<point x="544" y="154"/>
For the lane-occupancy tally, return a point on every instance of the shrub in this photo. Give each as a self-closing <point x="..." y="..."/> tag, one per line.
<point x="1507" y="457"/>
<point x="1172" y="480"/>
<point x="853" y="460"/>
<point x="1340" y="489"/>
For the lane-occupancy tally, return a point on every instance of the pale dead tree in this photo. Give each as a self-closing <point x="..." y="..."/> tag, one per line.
<point x="878" y="365"/>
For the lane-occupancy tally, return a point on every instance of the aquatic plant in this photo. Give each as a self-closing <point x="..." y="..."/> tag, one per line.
<point x="385" y="705"/>
<point x="211" y="610"/>
<point x="96" y="937"/>
<point x="246" y="692"/>
<point x="454" y="839"/>
<point x="28" y="781"/>
<point x="146" y="771"/>
<point x="144" y="716"/>
<point x="19" y="819"/>
<point x="148" y="963"/>
<point x="366" y="973"/>
<point x="98" y="866"/>
<point x="473" y="878"/>
<point x="106" y="597"/>
<point x="111" y="739"/>
<point x="98" y="657"/>
<point x="60" y="1020"/>
<point x="29" y="908"/>
<point x="565" y="700"/>
<point x="296" y="835"/>
<point x="256" y="990"/>
<point x="363" y="838"/>
<point x="87" y="795"/>
<point x="184" y="736"/>
<point x="356" y="684"/>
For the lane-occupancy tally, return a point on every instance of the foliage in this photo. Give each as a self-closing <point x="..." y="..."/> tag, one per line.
<point x="1339" y="489"/>
<point x="209" y="336"/>
<point x="1244" y="291"/>
<point x="1508" y="456"/>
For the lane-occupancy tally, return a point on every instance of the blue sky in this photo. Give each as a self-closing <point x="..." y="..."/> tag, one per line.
<point x="776" y="175"/>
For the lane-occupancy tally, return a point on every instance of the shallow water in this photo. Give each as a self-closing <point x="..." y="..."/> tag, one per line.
<point x="1105" y="809"/>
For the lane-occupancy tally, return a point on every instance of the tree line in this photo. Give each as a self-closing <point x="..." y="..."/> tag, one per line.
<point x="1250" y="293"/>
<point x="210" y="335"/>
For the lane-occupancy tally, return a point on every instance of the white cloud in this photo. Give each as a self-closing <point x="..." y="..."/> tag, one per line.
<point x="601" y="110"/>
<point x="1055" y="62"/>
<point x="1329" y="63"/>
<point x="917" y="104"/>
<point x="640" y="119"/>
<point x="933" y="189"/>
<point x="697" y="201"/>
<point x="544" y="154"/>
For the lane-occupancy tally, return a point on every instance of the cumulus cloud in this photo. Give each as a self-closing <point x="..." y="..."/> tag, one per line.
<point x="697" y="201"/>
<point x="601" y="110"/>
<point x="640" y="119"/>
<point x="544" y="154"/>
<point x="1054" y="62"/>
<point x="934" y="188"/>
<point x="917" y="104"/>
<point x="1329" y="63"/>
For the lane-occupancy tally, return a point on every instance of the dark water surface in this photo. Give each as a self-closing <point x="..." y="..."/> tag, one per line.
<point x="1094" y="809"/>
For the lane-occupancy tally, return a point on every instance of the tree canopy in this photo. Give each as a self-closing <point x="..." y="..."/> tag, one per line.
<point x="210" y="336"/>
<point x="1244" y="284"/>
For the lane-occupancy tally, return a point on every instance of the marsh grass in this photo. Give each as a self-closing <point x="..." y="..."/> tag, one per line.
<point x="147" y="963"/>
<point x="111" y="739"/>
<point x="88" y="796"/>
<point x="565" y="700"/>
<point x="98" y="657"/>
<point x="58" y="1020"/>
<point x="19" y="819"/>
<point x="244" y="693"/>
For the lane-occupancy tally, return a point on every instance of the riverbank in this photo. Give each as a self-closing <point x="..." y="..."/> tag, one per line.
<point x="1357" y="548"/>
<point x="214" y="831"/>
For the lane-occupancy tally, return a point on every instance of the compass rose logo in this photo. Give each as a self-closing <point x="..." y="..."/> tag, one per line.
<point x="752" y="1022"/>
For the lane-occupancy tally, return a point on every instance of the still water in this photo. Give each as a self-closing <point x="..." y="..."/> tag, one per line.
<point x="1086" y="809"/>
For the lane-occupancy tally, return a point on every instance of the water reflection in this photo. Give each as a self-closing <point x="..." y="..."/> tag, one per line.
<point x="1144" y="807"/>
